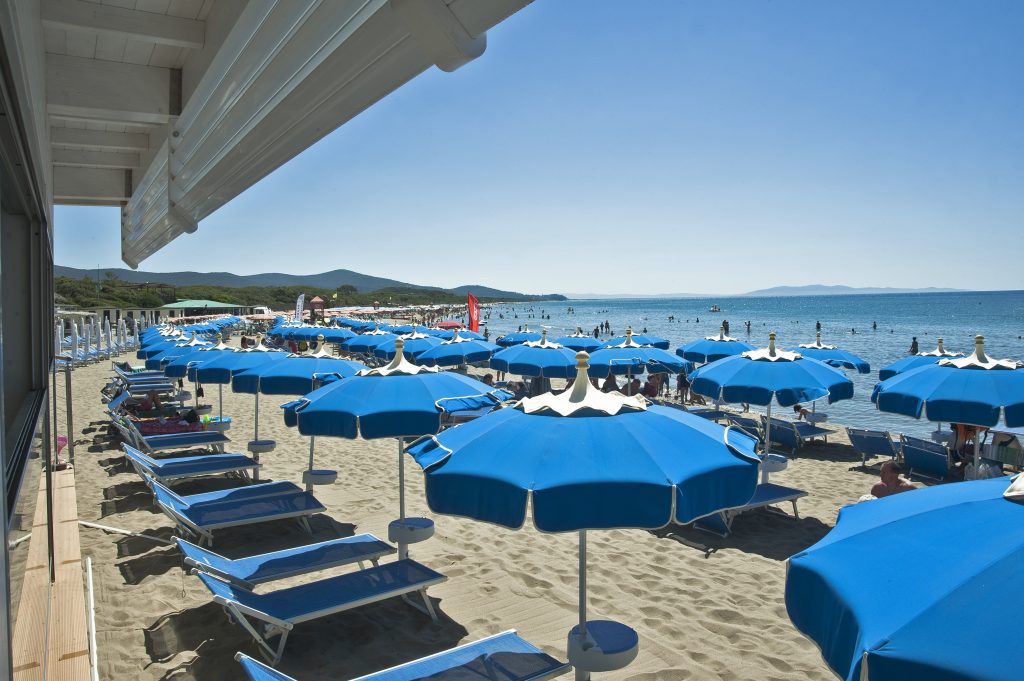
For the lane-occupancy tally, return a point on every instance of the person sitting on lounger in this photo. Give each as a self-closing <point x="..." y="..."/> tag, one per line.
<point x="150" y="402"/>
<point x="892" y="481"/>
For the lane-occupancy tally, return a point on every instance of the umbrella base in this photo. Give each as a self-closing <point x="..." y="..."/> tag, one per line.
<point x="410" y="530"/>
<point x="608" y="646"/>
<point x="774" y="463"/>
<point x="320" y="476"/>
<point x="261" y="446"/>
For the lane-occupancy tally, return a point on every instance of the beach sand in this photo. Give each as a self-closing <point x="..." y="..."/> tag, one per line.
<point x="705" y="607"/>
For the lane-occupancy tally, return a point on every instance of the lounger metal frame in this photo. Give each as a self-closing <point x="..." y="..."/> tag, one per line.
<point x="273" y="626"/>
<point x="726" y="516"/>
<point x="205" y="533"/>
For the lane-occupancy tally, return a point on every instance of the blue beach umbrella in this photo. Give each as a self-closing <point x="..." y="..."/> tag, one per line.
<point x="914" y="361"/>
<point x="639" y="339"/>
<point x="580" y="341"/>
<point x="516" y="337"/>
<point x="633" y="357"/>
<point x="536" y="358"/>
<point x="166" y="353"/>
<point x="458" y="350"/>
<point x="448" y="334"/>
<point x="179" y="366"/>
<point x="413" y="344"/>
<point x="973" y="390"/>
<point x="766" y="375"/>
<point x="917" y="585"/>
<point x="406" y="329"/>
<point x="833" y="356"/>
<point x="295" y="375"/>
<point x="713" y="348"/>
<point x="220" y="371"/>
<point x="585" y="460"/>
<point x="398" y="400"/>
<point x="365" y="342"/>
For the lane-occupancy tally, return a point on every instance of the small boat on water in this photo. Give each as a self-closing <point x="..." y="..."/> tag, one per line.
<point x="714" y="308"/>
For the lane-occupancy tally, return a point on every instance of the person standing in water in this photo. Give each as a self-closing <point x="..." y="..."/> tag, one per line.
<point x="913" y="345"/>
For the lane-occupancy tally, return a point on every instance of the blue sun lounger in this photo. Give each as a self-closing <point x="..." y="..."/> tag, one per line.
<point x="276" y="613"/>
<point x="793" y="434"/>
<point x="766" y="494"/>
<point x="266" y="567"/>
<point x="502" y="657"/>
<point x="871" y="443"/>
<point x="173" y="468"/>
<point x="151" y="444"/>
<point x="140" y="375"/>
<point x="924" y="458"/>
<point x="200" y="514"/>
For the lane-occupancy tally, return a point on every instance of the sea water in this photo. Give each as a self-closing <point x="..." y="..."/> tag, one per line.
<point x="846" y="321"/>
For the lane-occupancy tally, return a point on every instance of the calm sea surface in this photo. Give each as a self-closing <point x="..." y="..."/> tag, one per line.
<point x="956" y="317"/>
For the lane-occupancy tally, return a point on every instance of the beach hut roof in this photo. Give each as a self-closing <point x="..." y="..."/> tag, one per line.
<point x="188" y="304"/>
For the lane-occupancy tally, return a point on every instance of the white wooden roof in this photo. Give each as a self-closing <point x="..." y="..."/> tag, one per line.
<point x="171" y="108"/>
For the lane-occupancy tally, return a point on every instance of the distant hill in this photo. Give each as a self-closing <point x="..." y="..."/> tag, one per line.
<point x="822" y="290"/>
<point x="363" y="283"/>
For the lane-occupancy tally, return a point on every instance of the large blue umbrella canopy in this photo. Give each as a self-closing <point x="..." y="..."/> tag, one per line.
<point x="179" y="366"/>
<point x="292" y="376"/>
<point x="389" y="402"/>
<point x="406" y="329"/>
<point x="457" y="351"/>
<point x="639" y="339"/>
<point x="644" y="467"/>
<point x="587" y="460"/>
<point x="157" y="360"/>
<point x="833" y="356"/>
<point x="915" y="361"/>
<point x="974" y="390"/>
<point x="448" y="334"/>
<point x="766" y="375"/>
<point x="295" y="375"/>
<point x="761" y="376"/>
<point x="516" y="337"/>
<point x="221" y="369"/>
<point x="917" y="586"/>
<point x="580" y="341"/>
<point x="414" y="345"/>
<point x="713" y="348"/>
<point x="366" y="342"/>
<point x="633" y="357"/>
<point x="536" y="358"/>
<point x="398" y="400"/>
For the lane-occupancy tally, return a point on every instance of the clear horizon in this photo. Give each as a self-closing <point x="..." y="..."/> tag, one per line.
<point x="746" y="145"/>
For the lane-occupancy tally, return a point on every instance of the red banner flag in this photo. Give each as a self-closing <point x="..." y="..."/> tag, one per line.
<point x="474" y="312"/>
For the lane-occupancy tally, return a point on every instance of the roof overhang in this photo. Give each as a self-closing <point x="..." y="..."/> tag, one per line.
<point x="170" y="116"/>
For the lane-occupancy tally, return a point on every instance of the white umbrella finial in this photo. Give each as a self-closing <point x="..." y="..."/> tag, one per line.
<point x="771" y="344"/>
<point x="818" y="335"/>
<point x="582" y="396"/>
<point x="941" y="350"/>
<point x="979" y="349"/>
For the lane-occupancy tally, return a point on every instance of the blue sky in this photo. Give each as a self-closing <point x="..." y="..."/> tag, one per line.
<point x="659" y="147"/>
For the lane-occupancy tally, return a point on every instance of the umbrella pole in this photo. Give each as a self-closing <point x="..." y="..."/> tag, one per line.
<point x="220" y="402"/>
<point x="309" y="479"/>
<point x="583" y="584"/>
<point x="581" y="674"/>
<point x="403" y="547"/>
<point x="767" y="444"/>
